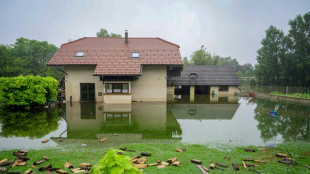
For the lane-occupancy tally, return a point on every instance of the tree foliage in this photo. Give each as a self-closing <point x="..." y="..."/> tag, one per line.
<point x="114" y="163"/>
<point x="27" y="91"/>
<point x="104" y="33"/>
<point x="27" y="57"/>
<point x="202" y="57"/>
<point x="285" y="59"/>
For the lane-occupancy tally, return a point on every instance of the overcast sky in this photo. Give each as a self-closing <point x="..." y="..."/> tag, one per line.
<point x="226" y="27"/>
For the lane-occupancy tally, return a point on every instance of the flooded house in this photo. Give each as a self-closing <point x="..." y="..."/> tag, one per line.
<point x="117" y="69"/>
<point x="214" y="81"/>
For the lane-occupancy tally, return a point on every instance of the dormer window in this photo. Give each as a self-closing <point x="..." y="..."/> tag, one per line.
<point x="135" y="55"/>
<point x="79" y="54"/>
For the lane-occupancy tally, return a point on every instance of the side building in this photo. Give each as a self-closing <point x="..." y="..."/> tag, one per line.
<point x="208" y="80"/>
<point x="117" y="70"/>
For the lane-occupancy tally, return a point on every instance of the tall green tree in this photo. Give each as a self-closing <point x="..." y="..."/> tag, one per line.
<point x="33" y="55"/>
<point x="28" y="57"/>
<point x="270" y="57"/>
<point x="104" y="33"/>
<point x="300" y="35"/>
<point x="9" y="66"/>
<point x="201" y="57"/>
<point x="285" y="59"/>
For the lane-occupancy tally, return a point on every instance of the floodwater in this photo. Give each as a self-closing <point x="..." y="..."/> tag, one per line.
<point x="203" y="120"/>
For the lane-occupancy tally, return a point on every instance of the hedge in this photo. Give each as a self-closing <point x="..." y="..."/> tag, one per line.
<point x="27" y="91"/>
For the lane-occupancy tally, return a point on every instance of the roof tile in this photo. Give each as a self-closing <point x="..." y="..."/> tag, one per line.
<point x="113" y="57"/>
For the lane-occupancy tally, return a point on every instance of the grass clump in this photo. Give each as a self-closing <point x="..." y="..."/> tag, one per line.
<point x="114" y="163"/>
<point x="296" y="95"/>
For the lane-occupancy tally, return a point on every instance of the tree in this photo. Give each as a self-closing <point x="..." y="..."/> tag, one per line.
<point x="201" y="57"/>
<point x="8" y="65"/>
<point x="104" y="33"/>
<point x="270" y="57"/>
<point x="185" y="61"/>
<point x="228" y="61"/>
<point x="285" y="59"/>
<point x="28" y="57"/>
<point x="300" y="35"/>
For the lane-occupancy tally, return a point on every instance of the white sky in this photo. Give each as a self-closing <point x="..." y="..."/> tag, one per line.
<point x="226" y="27"/>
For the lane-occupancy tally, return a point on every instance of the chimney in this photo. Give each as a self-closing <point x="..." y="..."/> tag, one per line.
<point x="126" y="37"/>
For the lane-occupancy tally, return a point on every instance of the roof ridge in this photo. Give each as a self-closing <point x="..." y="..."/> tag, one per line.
<point x="121" y="38"/>
<point x="73" y="41"/>
<point x="168" y="42"/>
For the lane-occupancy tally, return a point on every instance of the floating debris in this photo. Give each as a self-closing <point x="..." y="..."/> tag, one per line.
<point x="235" y="166"/>
<point x="258" y="161"/>
<point x="140" y="166"/>
<point x="152" y="164"/>
<point x="45" y="141"/>
<point x="281" y="155"/>
<point x="202" y="170"/>
<point x="3" y="170"/>
<point x="103" y="139"/>
<point x="29" y="171"/>
<point x="145" y="154"/>
<point x="85" y="166"/>
<point x="249" y="150"/>
<point x="212" y="166"/>
<point x="47" y="167"/>
<point x="61" y="171"/>
<point x="196" y="161"/>
<point x="176" y="163"/>
<point x="222" y="165"/>
<point x="68" y="165"/>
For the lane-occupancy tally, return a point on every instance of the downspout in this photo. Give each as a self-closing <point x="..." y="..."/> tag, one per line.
<point x="61" y="70"/>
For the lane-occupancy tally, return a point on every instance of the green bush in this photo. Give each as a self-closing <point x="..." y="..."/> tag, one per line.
<point x="113" y="163"/>
<point x="27" y="91"/>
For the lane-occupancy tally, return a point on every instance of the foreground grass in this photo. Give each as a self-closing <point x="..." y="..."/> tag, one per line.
<point x="161" y="151"/>
<point x="296" y="95"/>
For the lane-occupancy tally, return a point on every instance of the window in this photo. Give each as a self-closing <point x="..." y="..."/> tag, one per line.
<point x="193" y="76"/>
<point x="135" y="55"/>
<point x="223" y="88"/>
<point x="117" y="118"/>
<point x="117" y="88"/>
<point x="80" y="54"/>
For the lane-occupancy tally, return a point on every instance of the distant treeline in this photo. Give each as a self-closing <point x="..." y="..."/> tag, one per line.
<point x="284" y="59"/>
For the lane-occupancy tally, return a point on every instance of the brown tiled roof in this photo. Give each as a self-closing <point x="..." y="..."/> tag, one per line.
<point x="113" y="57"/>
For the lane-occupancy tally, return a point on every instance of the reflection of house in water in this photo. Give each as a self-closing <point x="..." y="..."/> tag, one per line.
<point x="148" y="120"/>
<point x="204" y="109"/>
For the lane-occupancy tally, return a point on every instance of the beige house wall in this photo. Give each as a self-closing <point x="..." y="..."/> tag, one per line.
<point x="170" y="92"/>
<point x="231" y="90"/>
<point x="151" y="86"/>
<point x="115" y="99"/>
<point x="81" y="74"/>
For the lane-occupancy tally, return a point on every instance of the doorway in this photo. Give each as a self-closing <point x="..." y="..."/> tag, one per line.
<point x="87" y="92"/>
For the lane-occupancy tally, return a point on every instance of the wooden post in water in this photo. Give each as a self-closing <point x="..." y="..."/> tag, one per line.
<point x="192" y="94"/>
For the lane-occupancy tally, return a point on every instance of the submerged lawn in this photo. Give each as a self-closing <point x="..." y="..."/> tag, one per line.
<point x="162" y="151"/>
<point x="296" y="95"/>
